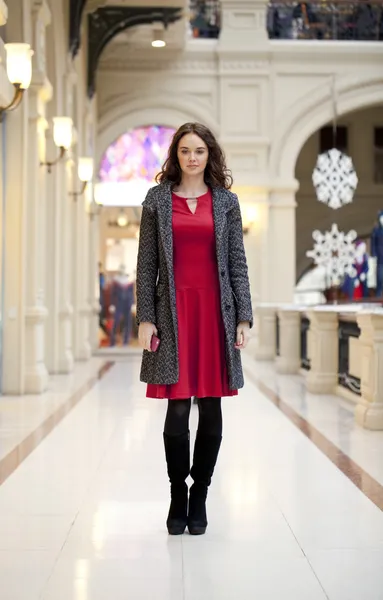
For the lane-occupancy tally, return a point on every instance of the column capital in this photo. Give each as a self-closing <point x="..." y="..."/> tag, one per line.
<point x="327" y="319"/>
<point x="41" y="10"/>
<point x="289" y="313"/>
<point x="42" y="17"/>
<point x="369" y="411"/>
<point x="371" y="324"/>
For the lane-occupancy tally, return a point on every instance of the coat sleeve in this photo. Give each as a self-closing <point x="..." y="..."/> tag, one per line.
<point x="238" y="265"/>
<point x="147" y="264"/>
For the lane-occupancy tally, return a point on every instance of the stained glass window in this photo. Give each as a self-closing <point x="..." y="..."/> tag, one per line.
<point x="136" y="155"/>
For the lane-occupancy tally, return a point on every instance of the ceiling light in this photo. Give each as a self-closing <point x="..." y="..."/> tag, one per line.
<point x="158" y="39"/>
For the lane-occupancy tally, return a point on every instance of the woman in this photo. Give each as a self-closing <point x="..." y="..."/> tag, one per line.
<point x="193" y="293"/>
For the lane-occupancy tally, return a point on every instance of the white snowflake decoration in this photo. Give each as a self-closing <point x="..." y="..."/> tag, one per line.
<point x="334" y="178"/>
<point x="335" y="251"/>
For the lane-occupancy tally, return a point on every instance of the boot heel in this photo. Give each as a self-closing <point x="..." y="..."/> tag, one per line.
<point x="177" y="450"/>
<point x="197" y="518"/>
<point x="177" y="517"/>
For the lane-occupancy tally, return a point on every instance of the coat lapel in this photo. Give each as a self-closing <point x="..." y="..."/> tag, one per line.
<point x="164" y="211"/>
<point x="219" y="214"/>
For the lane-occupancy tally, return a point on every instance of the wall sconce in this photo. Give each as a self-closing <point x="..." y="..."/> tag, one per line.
<point x="250" y="216"/>
<point x="62" y="136"/>
<point x="85" y="174"/>
<point x="19" y="71"/>
<point x="122" y="219"/>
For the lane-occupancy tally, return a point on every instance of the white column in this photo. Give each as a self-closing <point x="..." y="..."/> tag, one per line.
<point x="93" y="295"/>
<point x="16" y="185"/>
<point x="65" y="361"/>
<point x="52" y="263"/>
<point x="281" y="254"/>
<point x="323" y="375"/>
<point x="266" y="330"/>
<point x="369" y="411"/>
<point x="80" y="274"/>
<point x="289" y="359"/>
<point x="36" y="374"/>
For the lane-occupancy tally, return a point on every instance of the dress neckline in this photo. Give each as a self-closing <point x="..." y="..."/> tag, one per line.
<point x="191" y="197"/>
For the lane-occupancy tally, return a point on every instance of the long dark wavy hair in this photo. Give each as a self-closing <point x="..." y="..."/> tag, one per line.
<point x="216" y="172"/>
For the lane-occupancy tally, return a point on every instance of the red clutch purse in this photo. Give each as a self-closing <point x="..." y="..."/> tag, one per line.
<point x="154" y="343"/>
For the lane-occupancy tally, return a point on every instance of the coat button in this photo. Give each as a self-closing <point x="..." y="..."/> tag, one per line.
<point x="228" y="307"/>
<point x="222" y="273"/>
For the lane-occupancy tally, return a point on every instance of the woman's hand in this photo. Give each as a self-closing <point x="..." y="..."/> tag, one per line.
<point x="243" y="335"/>
<point x="145" y="332"/>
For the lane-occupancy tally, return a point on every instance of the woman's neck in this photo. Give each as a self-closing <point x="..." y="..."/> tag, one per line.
<point x="192" y="186"/>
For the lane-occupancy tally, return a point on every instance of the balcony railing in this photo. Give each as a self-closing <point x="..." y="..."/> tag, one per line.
<point x="324" y="20"/>
<point x="288" y="20"/>
<point x="205" y="19"/>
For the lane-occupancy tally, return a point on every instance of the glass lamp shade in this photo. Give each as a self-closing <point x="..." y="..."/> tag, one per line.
<point x="19" y="64"/>
<point x="63" y="132"/>
<point x="85" y="168"/>
<point x="122" y="220"/>
<point x="249" y="216"/>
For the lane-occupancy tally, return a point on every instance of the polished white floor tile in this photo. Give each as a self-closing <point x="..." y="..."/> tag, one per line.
<point x="84" y="516"/>
<point x="24" y="574"/>
<point x="331" y="415"/>
<point x="350" y="574"/>
<point x="226" y="573"/>
<point x="121" y="588"/>
<point x="29" y="532"/>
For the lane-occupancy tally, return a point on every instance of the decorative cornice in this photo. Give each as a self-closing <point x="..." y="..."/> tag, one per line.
<point x="200" y="67"/>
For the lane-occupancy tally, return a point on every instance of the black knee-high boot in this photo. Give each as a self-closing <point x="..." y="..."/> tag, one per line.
<point x="204" y="460"/>
<point x="177" y="451"/>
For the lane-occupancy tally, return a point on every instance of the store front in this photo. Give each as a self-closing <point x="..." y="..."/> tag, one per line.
<point x="127" y="171"/>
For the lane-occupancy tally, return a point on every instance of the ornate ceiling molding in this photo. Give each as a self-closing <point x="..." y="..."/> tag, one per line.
<point x="107" y="22"/>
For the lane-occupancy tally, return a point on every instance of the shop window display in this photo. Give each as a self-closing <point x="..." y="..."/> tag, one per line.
<point x="127" y="170"/>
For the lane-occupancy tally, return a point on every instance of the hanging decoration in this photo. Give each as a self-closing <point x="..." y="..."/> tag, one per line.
<point x="335" y="251"/>
<point x="334" y="176"/>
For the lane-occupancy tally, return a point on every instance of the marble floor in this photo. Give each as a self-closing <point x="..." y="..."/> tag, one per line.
<point x="83" y="515"/>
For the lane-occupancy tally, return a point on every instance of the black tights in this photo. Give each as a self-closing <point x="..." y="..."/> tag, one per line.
<point x="209" y="422"/>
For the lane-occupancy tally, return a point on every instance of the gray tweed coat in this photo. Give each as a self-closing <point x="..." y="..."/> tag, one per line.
<point x="156" y="295"/>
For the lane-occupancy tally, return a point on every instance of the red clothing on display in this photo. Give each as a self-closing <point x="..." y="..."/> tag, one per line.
<point x="201" y="334"/>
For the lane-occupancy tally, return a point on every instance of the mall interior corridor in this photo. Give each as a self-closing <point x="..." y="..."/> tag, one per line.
<point x="294" y="507"/>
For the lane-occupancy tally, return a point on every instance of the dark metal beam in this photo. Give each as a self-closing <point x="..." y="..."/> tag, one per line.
<point x="76" y="9"/>
<point x="107" y="22"/>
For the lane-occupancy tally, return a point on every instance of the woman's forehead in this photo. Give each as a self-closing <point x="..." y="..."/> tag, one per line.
<point x="191" y="140"/>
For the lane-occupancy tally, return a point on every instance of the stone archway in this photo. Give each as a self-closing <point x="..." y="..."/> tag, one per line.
<point x="297" y="124"/>
<point x="313" y="111"/>
<point x="126" y="114"/>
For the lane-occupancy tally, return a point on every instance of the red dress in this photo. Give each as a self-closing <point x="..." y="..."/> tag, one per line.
<point x="201" y="334"/>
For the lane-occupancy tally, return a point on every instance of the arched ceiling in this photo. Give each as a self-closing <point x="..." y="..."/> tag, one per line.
<point x="107" y="20"/>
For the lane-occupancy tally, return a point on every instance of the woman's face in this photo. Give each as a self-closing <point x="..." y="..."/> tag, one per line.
<point x="192" y="154"/>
